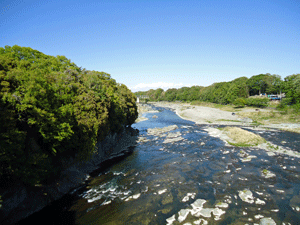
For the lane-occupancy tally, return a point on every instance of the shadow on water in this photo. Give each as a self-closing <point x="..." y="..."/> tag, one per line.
<point x="58" y="212"/>
<point x="53" y="213"/>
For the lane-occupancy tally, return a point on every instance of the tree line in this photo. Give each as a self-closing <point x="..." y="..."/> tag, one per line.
<point x="51" y="110"/>
<point x="236" y="92"/>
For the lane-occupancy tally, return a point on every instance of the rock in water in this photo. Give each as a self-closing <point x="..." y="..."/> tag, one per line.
<point x="198" y="203"/>
<point x="159" y="131"/>
<point x="183" y="214"/>
<point x="267" y="221"/>
<point x="171" y="140"/>
<point x="171" y="219"/>
<point x="246" y="196"/>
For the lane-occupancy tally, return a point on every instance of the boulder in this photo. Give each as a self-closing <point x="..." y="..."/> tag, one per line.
<point x="246" y="196"/>
<point x="267" y="221"/>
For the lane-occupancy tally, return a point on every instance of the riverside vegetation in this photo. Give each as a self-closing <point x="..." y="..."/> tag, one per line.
<point x="236" y="94"/>
<point x="51" y="110"/>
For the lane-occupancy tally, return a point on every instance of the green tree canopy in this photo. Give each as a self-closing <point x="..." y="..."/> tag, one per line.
<point x="291" y="87"/>
<point x="264" y="83"/>
<point x="52" y="110"/>
<point x="229" y="92"/>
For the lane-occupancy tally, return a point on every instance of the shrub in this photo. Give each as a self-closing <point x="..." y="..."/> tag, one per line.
<point x="258" y="102"/>
<point x="284" y="103"/>
<point x="296" y="108"/>
<point x="240" y="102"/>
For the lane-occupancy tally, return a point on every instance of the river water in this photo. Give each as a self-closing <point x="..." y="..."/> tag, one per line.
<point x="195" y="180"/>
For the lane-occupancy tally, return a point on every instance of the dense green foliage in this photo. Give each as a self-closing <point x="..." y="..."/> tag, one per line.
<point x="225" y="92"/>
<point x="257" y="102"/>
<point x="291" y="87"/>
<point x="240" y="102"/>
<point x="264" y="83"/>
<point x="51" y="110"/>
<point x="234" y="92"/>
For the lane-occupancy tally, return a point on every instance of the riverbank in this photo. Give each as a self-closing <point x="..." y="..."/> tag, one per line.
<point x="180" y="173"/>
<point x="213" y="116"/>
<point x="210" y="115"/>
<point x="144" y="108"/>
<point x="20" y="201"/>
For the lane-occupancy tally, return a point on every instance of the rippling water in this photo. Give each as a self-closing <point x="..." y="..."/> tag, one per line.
<point x="197" y="180"/>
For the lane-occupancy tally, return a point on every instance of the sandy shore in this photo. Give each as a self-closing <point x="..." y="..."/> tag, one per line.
<point x="213" y="116"/>
<point x="204" y="115"/>
<point x="208" y="115"/>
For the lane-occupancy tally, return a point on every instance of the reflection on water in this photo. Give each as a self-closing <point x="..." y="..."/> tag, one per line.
<point x="197" y="180"/>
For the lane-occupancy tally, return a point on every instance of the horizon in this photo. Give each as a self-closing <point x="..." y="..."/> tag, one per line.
<point x="161" y="44"/>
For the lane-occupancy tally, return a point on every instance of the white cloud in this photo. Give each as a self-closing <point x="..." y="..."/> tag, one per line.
<point x="163" y="85"/>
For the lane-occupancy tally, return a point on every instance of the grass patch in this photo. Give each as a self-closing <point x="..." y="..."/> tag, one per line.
<point x="242" y="138"/>
<point x="255" y="123"/>
<point x="265" y="171"/>
<point x="229" y="120"/>
<point x="230" y="108"/>
<point x="272" y="116"/>
<point x="239" y="144"/>
<point x="270" y="146"/>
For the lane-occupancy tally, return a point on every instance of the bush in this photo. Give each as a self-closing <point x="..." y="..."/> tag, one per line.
<point x="258" y="102"/>
<point x="296" y="108"/>
<point x="284" y="103"/>
<point x="240" y="102"/>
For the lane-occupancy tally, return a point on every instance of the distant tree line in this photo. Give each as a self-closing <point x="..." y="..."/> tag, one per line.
<point x="51" y="110"/>
<point x="236" y="92"/>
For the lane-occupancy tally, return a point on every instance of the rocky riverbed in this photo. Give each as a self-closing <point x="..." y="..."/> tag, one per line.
<point x="208" y="115"/>
<point x="186" y="173"/>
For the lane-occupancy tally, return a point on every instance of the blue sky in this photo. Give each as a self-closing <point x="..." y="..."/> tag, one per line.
<point x="152" y="44"/>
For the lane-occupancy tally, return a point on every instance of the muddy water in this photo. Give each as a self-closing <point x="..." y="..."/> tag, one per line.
<point x="185" y="176"/>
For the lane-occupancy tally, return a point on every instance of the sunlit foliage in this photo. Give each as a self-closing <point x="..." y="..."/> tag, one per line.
<point x="235" y="92"/>
<point x="51" y="110"/>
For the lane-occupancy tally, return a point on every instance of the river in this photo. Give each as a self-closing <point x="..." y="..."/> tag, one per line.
<point x="185" y="176"/>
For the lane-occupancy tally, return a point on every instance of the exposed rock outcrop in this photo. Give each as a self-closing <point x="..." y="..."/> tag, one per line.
<point x="20" y="201"/>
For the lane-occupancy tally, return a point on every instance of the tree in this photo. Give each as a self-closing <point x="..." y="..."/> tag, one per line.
<point x="52" y="110"/>
<point x="238" y="89"/>
<point x="157" y="94"/>
<point x="257" y="84"/>
<point x="170" y="95"/>
<point x="274" y="84"/>
<point x="264" y="83"/>
<point x="183" y="94"/>
<point x="291" y="87"/>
